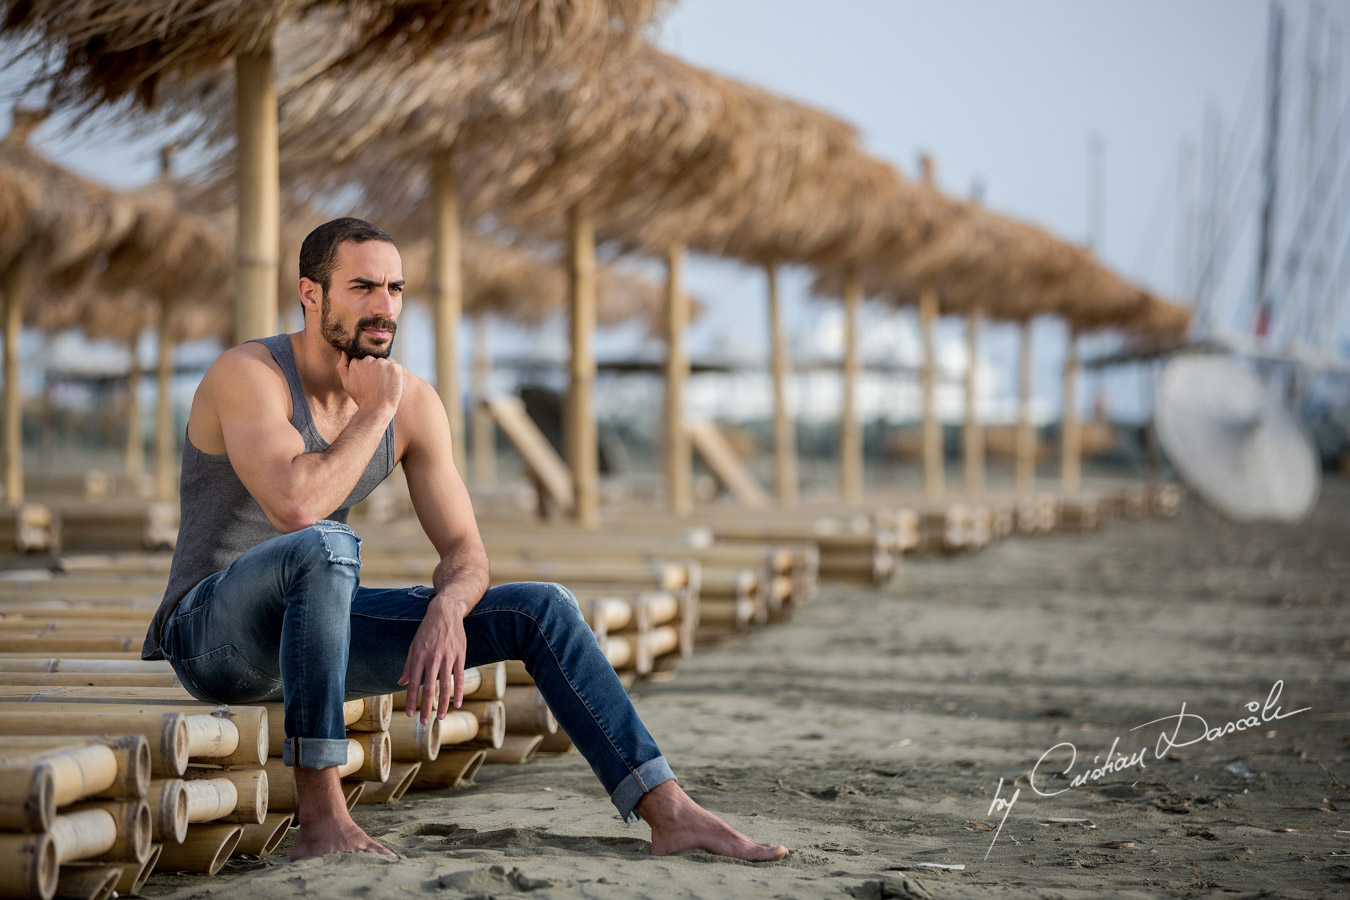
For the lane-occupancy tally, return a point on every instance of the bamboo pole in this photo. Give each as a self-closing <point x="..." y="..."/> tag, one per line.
<point x="972" y="438"/>
<point x="13" y="414"/>
<point x="1071" y="436"/>
<point x="1025" y="478"/>
<point x="784" y="437"/>
<point x="527" y="712"/>
<point x="168" y="802"/>
<point x="27" y="796"/>
<point x="484" y="429"/>
<point x="86" y="882"/>
<point x="259" y="235"/>
<point x="491" y="716"/>
<point x="516" y="749"/>
<point x="262" y="840"/>
<point x="850" y="429"/>
<point x="111" y="768"/>
<point x="134" y="877"/>
<point x="166" y="734"/>
<point x="579" y="415"/>
<point x="401" y="775"/>
<point x="557" y="743"/>
<point x="451" y="769"/>
<point x="678" y="457"/>
<point x="369" y="714"/>
<point x="28" y="865"/>
<point x="203" y="851"/>
<point x="135" y="456"/>
<point x="206" y="787"/>
<point x="165" y="438"/>
<point x="113" y="831"/>
<point x="412" y="740"/>
<point x="447" y="293"/>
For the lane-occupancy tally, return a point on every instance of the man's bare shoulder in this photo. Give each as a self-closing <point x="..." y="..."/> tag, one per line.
<point x="247" y="365"/>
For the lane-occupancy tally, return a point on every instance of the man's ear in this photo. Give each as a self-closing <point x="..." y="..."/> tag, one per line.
<point x="311" y="294"/>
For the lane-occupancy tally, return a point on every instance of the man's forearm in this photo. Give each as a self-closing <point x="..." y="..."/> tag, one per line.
<point x="322" y="481"/>
<point x="461" y="577"/>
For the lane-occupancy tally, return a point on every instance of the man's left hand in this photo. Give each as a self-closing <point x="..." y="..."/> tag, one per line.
<point x="435" y="665"/>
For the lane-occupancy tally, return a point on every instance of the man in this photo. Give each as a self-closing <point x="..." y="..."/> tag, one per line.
<point x="264" y="603"/>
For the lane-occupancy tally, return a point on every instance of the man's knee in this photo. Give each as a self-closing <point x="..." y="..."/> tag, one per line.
<point x="327" y="550"/>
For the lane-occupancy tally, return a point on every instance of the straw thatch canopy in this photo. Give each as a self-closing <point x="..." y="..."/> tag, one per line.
<point x="123" y="316"/>
<point x="101" y="51"/>
<point x="527" y="289"/>
<point x="73" y="222"/>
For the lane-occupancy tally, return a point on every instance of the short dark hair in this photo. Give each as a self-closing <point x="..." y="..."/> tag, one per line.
<point x="318" y="253"/>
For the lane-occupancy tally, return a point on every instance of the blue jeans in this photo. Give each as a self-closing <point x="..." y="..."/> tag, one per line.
<point x="289" y="621"/>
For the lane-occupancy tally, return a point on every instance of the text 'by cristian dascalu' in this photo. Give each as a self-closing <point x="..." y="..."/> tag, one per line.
<point x="1179" y="730"/>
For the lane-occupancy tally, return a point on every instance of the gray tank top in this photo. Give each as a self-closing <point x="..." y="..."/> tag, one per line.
<point x="220" y="520"/>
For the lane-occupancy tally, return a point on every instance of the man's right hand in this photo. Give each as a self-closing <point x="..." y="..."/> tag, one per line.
<point x="371" y="382"/>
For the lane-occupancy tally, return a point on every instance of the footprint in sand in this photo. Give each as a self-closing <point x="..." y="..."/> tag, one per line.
<point x="492" y="881"/>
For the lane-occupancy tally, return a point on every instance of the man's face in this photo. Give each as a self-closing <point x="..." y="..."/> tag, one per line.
<point x="359" y="312"/>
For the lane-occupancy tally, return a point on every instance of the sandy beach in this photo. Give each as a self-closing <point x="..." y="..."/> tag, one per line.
<point x="870" y="735"/>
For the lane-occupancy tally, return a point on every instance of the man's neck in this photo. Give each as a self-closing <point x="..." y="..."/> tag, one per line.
<point x="316" y="363"/>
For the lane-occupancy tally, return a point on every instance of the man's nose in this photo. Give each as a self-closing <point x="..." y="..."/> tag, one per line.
<point x="385" y="303"/>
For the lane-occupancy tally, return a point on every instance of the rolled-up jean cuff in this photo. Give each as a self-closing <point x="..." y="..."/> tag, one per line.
<point x="645" y="777"/>
<point x="314" y="753"/>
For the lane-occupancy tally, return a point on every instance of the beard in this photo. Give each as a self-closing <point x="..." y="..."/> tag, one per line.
<point x="350" y="344"/>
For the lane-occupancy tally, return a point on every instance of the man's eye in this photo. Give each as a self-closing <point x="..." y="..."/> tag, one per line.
<point x="397" y="288"/>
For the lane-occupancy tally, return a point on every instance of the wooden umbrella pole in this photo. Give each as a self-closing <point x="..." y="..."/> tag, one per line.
<point x="447" y="292"/>
<point x="972" y="438"/>
<point x="255" y="310"/>
<point x="784" y="439"/>
<point x="579" y="425"/>
<point x="135" y="459"/>
<point x="165" y="441"/>
<point x="1071" y="446"/>
<point x="678" y="458"/>
<point x="484" y="429"/>
<point x="934" y="479"/>
<point x="1026" y="438"/>
<point x="11" y="284"/>
<point x="850" y="429"/>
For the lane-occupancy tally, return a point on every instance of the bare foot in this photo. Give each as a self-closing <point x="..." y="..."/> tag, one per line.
<point x="335" y="835"/>
<point x="678" y="823"/>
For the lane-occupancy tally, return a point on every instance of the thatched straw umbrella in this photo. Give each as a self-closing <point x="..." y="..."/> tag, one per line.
<point x="111" y="49"/>
<point x="73" y="221"/>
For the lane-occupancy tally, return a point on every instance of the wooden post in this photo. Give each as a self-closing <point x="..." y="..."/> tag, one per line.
<point x="135" y="461"/>
<point x="255" y="308"/>
<point x="484" y="430"/>
<point x="850" y="429"/>
<point x="784" y="438"/>
<point x="1026" y="438"/>
<point x="579" y="415"/>
<point x="1071" y="447"/>
<point x="13" y="288"/>
<point x="165" y="438"/>
<point x="678" y="456"/>
<point x="972" y="439"/>
<point x="934" y="481"/>
<point x="447" y="293"/>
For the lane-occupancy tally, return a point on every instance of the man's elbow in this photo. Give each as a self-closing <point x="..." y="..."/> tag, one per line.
<point x="291" y="517"/>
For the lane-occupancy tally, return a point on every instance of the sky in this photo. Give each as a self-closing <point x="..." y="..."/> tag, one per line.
<point x="1006" y="96"/>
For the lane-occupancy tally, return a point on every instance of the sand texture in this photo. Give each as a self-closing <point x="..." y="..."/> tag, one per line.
<point x="870" y="735"/>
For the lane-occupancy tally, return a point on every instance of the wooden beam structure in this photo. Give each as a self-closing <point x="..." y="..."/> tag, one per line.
<point x="1071" y="431"/>
<point x="166" y="465"/>
<point x="678" y="456"/>
<point x="484" y="431"/>
<point x="934" y="479"/>
<point x="850" y="429"/>
<point x="13" y="412"/>
<point x="447" y="294"/>
<point x="972" y="436"/>
<point x="579" y="433"/>
<point x="784" y="434"/>
<point x="259" y="236"/>
<point x="1025" y="471"/>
